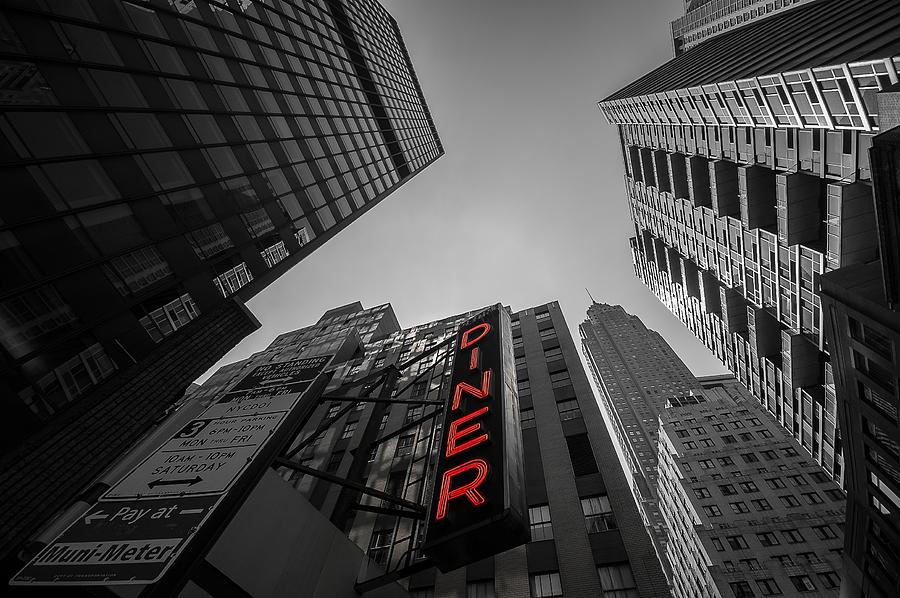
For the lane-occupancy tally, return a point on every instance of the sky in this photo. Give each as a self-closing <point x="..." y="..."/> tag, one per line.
<point x="531" y="184"/>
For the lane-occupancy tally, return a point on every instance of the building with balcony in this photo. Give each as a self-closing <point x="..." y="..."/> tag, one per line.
<point x="587" y="537"/>
<point x="163" y="163"/>
<point x="748" y="177"/>
<point x="748" y="513"/>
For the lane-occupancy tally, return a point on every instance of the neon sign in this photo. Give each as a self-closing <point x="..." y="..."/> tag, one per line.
<point x="478" y="501"/>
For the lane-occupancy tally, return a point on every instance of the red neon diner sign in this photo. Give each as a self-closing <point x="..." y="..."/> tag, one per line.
<point x="477" y="507"/>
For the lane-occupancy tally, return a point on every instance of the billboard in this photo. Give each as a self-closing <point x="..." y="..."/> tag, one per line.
<point x="478" y="506"/>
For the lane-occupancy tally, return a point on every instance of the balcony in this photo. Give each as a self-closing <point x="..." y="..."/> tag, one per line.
<point x="756" y="191"/>
<point x="723" y="184"/>
<point x="799" y="207"/>
<point x="850" y="225"/>
<point x="698" y="181"/>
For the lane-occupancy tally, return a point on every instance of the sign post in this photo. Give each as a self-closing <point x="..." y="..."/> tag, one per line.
<point x="138" y="528"/>
<point x="478" y="503"/>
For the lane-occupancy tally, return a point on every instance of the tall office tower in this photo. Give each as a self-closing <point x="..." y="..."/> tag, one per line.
<point x="162" y="162"/>
<point x="748" y="177"/>
<point x="862" y="324"/>
<point x="748" y="513"/>
<point x="637" y="372"/>
<point x="587" y="537"/>
<point x="704" y="19"/>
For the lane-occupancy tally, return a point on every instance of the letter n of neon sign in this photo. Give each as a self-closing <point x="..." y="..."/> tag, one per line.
<point x="478" y="393"/>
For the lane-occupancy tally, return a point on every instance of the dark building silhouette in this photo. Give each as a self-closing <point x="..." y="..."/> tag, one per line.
<point x="587" y="537"/>
<point x="862" y="322"/>
<point x="162" y="163"/>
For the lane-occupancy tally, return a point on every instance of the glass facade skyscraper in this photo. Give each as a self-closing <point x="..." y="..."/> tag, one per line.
<point x="163" y="162"/>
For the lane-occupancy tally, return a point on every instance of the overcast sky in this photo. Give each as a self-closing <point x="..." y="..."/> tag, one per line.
<point x="531" y="179"/>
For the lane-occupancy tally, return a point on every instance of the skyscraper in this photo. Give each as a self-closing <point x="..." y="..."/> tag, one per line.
<point x="163" y="162"/>
<point x="637" y="373"/>
<point x="747" y="513"/>
<point x="747" y="175"/>
<point x="704" y="19"/>
<point x="587" y="537"/>
<point x="719" y="481"/>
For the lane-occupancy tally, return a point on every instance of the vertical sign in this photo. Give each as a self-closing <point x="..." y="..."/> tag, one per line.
<point x="478" y="504"/>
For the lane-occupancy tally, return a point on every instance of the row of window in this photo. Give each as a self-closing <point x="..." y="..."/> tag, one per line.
<point x="770" y="587"/>
<point x="616" y="581"/>
<point x="598" y="517"/>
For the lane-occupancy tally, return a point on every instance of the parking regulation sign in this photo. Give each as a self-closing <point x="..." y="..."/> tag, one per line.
<point x="142" y="523"/>
<point x="121" y="542"/>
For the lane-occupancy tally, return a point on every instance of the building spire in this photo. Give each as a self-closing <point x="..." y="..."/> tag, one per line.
<point x="589" y="294"/>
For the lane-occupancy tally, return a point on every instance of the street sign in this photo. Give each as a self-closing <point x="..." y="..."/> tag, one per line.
<point x="140" y="525"/>
<point x="206" y="456"/>
<point x="122" y="542"/>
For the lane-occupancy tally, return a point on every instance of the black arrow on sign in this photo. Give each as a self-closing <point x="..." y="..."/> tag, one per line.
<point x="189" y="482"/>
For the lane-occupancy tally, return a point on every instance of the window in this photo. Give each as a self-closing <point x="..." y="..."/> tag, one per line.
<point x="404" y="445"/>
<point x="761" y="504"/>
<point x="746" y="436"/>
<point x="729" y="439"/>
<point x="682" y="433"/>
<point x="789" y="452"/>
<point x="793" y="536"/>
<point x="712" y="511"/>
<point x="548" y="334"/>
<point x="739" y="507"/>
<point x="233" y="279"/>
<point x="413" y="413"/>
<point x="422" y="593"/>
<point x="748" y="487"/>
<point x="768" y="539"/>
<point x="546" y="585"/>
<point x="139" y="269"/>
<point x="349" y="429"/>
<point x="727" y="489"/>
<point x="705" y="464"/>
<point x="824" y="532"/>
<point x="725" y="461"/>
<point x="812" y="498"/>
<point x="701" y="493"/>
<point x="717" y="544"/>
<point x="829" y="579"/>
<point x="480" y="589"/>
<point x="568" y="409"/>
<point x="690" y="444"/>
<point x="789" y="500"/>
<point x="751" y="564"/>
<point x="384" y="420"/>
<point x="165" y="320"/>
<point x="617" y="581"/>
<point x="798" y="480"/>
<point x="741" y="589"/>
<point x="769" y="455"/>
<point x="527" y="418"/>
<point x="768" y="587"/>
<point x="749" y="457"/>
<point x="765" y="434"/>
<point x="581" y="455"/>
<point x="379" y="545"/>
<point x="560" y="379"/>
<point x="737" y="542"/>
<point x="720" y="427"/>
<point x="803" y="583"/>
<point x="539" y="519"/>
<point x="597" y="514"/>
<point x="775" y="483"/>
<point x="554" y="353"/>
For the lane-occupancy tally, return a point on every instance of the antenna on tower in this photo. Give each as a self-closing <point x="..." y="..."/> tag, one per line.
<point x="589" y="294"/>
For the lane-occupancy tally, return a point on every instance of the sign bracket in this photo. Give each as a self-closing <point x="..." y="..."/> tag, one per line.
<point x="350" y="484"/>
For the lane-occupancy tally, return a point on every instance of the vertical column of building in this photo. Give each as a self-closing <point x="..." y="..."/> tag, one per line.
<point x="636" y="372"/>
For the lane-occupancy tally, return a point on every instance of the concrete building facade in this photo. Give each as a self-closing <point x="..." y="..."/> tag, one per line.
<point x="587" y="537"/>
<point x="748" y="513"/>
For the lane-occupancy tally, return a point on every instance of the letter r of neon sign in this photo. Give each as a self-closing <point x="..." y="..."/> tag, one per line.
<point x="469" y="489"/>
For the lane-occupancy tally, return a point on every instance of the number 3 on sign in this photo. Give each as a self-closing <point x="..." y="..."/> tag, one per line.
<point x="193" y="428"/>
